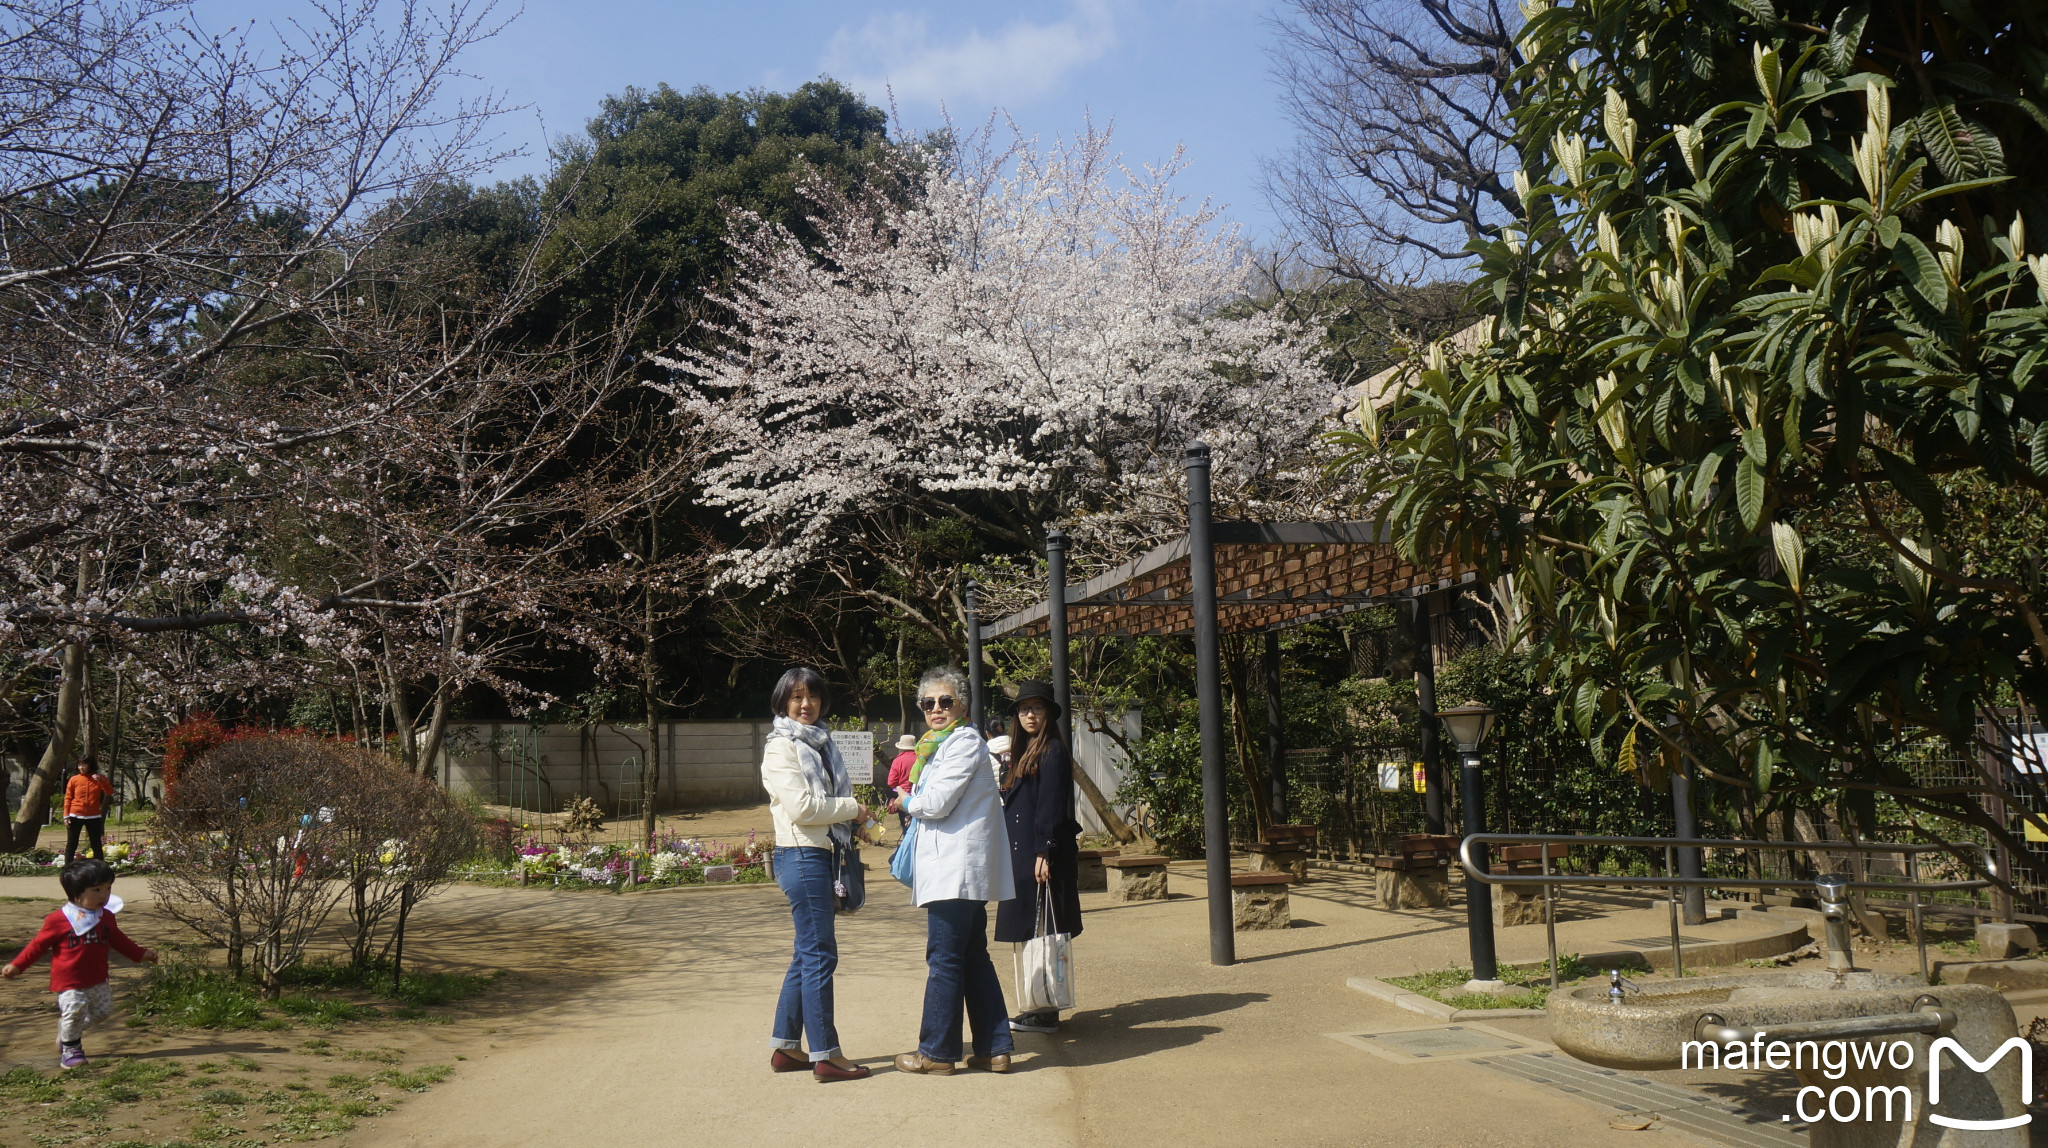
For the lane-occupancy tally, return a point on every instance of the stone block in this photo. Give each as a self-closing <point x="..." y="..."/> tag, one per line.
<point x="1998" y="941"/>
<point x="1090" y="875"/>
<point x="1137" y="879"/>
<point x="1259" y="907"/>
<point x="1293" y="862"/>
<point x="2005" y="976"/>
<point x="1426" y="888"/>
<point x="1516" y="907"/>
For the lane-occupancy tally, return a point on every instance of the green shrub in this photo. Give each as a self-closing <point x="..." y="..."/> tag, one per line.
<point x="184" y="994"/>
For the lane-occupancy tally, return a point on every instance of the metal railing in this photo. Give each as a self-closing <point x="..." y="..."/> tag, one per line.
<point x="1549" y="882"/>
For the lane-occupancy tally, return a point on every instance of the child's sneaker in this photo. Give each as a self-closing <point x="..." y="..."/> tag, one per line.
<point x="70" y="1055"/>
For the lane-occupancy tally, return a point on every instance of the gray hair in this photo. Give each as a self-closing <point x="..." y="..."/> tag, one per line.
<point x="951" y="676"/>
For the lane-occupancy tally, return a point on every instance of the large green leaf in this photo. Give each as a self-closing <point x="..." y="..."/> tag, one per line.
<point x="1913" y="484"/>
<point x="1922" y="270"/>
<point x="1749" y="490"/>
<point x="1844" y="34"/>
<point x="1961" y="148"/>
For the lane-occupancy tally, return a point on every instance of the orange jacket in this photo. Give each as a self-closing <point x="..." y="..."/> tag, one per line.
<point x="86" y="793"/>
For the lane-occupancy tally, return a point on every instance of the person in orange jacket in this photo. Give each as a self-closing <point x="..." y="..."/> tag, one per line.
<point x="85" y="807"/>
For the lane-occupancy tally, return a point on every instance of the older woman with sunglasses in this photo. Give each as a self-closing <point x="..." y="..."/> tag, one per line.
<point x="961" y="862"/>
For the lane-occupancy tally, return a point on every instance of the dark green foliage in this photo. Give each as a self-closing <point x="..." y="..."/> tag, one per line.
<point x="650" y="184"/>
<point x="1771" y="325"/>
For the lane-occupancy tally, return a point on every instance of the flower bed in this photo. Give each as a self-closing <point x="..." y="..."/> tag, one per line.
<point x="673" y="861"/>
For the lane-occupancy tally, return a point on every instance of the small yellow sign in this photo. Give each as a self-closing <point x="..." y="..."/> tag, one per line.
<point x="2034" y="832"/>
<point x="1421" y="779"/>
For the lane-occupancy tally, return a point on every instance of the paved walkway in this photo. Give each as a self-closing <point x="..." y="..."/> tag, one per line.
<point x="659" y="1014"/>
<point x="643" y="1018"/>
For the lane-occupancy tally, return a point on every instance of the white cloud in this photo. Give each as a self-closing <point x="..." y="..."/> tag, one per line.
<point x="896" y="53"/>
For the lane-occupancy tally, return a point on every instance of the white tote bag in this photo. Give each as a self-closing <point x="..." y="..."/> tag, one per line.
<point x="1045" y="966"/>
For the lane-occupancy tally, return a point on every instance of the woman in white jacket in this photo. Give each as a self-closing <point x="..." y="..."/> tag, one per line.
<point x="961" y="862"/>
<point x="811" y="798"/>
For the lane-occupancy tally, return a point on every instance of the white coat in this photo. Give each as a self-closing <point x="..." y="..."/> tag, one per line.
<point x="802" y="818"/>
<point x="963" y="848"/>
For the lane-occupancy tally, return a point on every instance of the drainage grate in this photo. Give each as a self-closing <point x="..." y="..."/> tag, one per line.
<point x="1661" y="942"/>
<point x="1708" y="1117"/>
<point x="1439" y="1042"/>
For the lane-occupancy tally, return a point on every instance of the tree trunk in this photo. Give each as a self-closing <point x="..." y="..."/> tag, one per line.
<point x="1116" y="826"/>
<point x="1236" y="666"/>
<point x="650" y="684"/>
<point x="401" y="710"/>
<point x="49" y="772"/>
<point x="437" y="725"/>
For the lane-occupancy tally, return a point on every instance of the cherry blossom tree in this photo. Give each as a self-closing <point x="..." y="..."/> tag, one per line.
<point x="998" y="337"/>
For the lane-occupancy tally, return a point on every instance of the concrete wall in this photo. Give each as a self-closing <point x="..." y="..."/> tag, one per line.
<point x="1098" y="756"/>
<point x="705" y="764"/>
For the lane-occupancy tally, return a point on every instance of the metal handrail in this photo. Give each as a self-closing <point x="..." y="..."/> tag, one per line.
<point x="1549" y="881"/>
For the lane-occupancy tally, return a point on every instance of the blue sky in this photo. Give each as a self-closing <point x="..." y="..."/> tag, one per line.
<point x="1167" y="72"/>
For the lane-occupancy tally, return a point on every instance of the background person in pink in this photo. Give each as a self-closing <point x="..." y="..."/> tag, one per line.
<point x="899" y="775"/>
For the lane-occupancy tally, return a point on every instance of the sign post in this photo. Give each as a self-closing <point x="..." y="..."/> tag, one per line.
<point x="857" y="749"/>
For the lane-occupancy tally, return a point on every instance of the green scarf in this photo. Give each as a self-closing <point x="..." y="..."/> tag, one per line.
<point x="928" y="745"/>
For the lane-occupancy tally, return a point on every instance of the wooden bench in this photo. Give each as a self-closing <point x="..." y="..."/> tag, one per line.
<point x="1284" y="849"/>
<point x="1259" y="901"/>
<point x="1522" y="904"/>
<point x="1417" y="875"/>
<point x="1136" y="878"/>
<point x="1089" y="874"/>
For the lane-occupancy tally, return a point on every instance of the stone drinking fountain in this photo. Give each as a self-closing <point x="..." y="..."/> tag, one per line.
<point x="1788" y="1019"/>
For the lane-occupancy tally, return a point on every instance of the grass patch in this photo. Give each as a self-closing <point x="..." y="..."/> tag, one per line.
<point x="324" y="1010"/>
<point x="1530" y="988"/>
<point x="197" y="998"/>
<point x="418" y="989"/>
<point x="418" y="1079"/>
<point x="223" y="1096"/>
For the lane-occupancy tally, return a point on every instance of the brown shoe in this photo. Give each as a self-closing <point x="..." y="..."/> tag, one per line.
<point x="1000" y="1062"/>
<point x="918" y="1062"/>
<point x="825" y="1071"/>
<point x="782" y="1061"/>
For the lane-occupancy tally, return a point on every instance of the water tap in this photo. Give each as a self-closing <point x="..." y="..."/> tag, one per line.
<point x="1619" y="986"/>
<point x="1833" y="892"/>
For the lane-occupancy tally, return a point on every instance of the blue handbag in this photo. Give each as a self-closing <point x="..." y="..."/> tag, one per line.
<point x="903" y="862"/>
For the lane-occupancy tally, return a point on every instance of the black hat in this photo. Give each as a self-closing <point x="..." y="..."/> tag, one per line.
<point x="1040" y="690"/>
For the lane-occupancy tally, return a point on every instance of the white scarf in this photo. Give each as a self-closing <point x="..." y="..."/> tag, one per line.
<point x="84" y="921"/>
<point x="823" y="768"/>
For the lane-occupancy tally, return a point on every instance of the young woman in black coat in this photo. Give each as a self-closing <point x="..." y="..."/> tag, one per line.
<point x="1038" y="808"/>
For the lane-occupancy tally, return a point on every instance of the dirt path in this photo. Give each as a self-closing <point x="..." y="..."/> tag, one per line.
<point x="653" y="1026"/>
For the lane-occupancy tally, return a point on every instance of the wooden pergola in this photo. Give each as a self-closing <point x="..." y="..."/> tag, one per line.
<point x="1226" y="577"/>
<point x="1269" y="576"/>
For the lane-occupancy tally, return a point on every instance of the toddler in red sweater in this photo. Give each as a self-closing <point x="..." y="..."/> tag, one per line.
<point x="79" y="935"/>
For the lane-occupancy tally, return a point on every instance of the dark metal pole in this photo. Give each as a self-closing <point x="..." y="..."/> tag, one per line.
<point x="1686" y="824"/>
<point x="1276" y="730"/>
<point x="1209" y="693"/>
<point x="1425" y="698"/>
<point x="976" y="692"/>
<point x="1056" y="626"/>
<point x="1478" y="894"/>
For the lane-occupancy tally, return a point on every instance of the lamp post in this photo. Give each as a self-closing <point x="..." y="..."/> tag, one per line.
<point x="1468" y="725"/>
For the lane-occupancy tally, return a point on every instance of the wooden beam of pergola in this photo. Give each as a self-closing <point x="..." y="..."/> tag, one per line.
<point x="1269" y="576"/>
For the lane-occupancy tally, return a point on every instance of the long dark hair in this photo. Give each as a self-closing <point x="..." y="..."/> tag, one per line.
<point x="806" y="677"/>
<point x="1024" y="763"/>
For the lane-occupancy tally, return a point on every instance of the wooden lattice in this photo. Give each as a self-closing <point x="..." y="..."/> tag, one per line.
<point x="1269" y="575"/>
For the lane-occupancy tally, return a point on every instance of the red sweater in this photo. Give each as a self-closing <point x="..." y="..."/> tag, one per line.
<point x="86" y="793"/>
<point x="80" y="961"/>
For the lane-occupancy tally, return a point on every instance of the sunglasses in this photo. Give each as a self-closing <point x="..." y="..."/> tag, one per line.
<point x="942" y="702"/>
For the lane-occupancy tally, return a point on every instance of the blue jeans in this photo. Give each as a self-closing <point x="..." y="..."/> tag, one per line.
<point x="956" y="954"/>
<point x="805" y="875"/>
